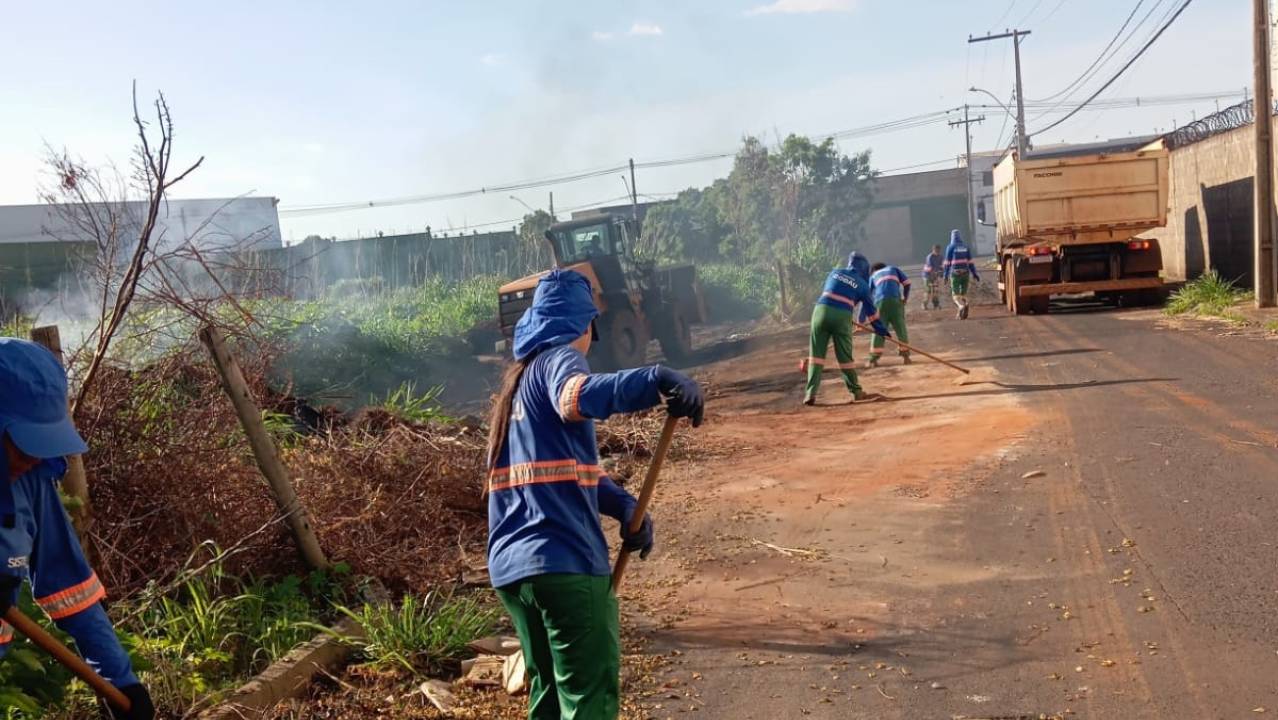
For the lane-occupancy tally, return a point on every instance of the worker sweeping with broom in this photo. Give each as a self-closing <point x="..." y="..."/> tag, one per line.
<point x="890" y="288"/>
<point x="547" y="555"/>
<point x="832" y="320"/>
<point x="37" y="542"/>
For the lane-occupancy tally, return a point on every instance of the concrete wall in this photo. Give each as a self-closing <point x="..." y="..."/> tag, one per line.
<point x="912" y="212"/>
<point x="211" y="223"/>
<point x="1210" y="209"/>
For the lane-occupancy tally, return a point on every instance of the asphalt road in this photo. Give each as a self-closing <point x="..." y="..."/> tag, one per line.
<point x="1132" y="574"/>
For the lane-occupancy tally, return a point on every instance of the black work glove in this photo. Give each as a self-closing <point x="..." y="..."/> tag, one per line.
<point x="640" y="542"/>
<point x="142" y="707"/>
<point x="683" y="395"/>
<point x="8" y="591"/>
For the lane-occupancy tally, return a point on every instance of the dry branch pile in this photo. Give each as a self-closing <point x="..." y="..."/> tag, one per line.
<point x="170" y="469"/>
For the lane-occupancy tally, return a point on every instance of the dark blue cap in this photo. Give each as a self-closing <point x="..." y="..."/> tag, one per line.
<point x="33" y="401"/>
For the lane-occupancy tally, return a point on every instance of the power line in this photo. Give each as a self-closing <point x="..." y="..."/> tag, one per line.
<point x="1003" y="17"/>
<point x="1024" y="20"/>
<point x="1050" y="15"/>
<point x="867" y="130"/>
<point x="916" y="165"/>
<point x="1083" y="76"/>
<point x="1121" y="70"/>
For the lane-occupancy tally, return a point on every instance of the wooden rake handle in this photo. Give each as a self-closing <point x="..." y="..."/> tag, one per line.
<point x="68" y="659"/>
<point x="645" y="495"/>
<point x="904" y="346"/>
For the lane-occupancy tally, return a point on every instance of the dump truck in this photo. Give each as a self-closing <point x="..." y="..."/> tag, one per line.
<point x="1068" y="222"/>
<point x="637" y="300"/>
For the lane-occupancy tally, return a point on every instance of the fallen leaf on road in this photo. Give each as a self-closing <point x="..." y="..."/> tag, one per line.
<point x="1128" y="542"/>
<point x="937" y="686"/>
<point x="1033" y="474"/>
<point x="1108" y="663"/>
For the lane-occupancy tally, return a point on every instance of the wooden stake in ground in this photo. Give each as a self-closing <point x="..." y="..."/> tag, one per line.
<point x="268" y="459"/>
<point x="74" y="482"/>
<point x="645" y="495"/>
<point x="68" y="659"/>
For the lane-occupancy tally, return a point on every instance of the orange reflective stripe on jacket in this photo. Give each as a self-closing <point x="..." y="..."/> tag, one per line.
<point x="535" y="473"/>
<point x="74" y="599"/>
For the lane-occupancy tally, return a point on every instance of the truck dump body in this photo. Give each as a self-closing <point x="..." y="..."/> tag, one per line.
<point x="1067" y="223"/>
<point x="1078" y="198"/>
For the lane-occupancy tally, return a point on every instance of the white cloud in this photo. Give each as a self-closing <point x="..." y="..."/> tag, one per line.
<point x="493" y="59"/>
<point x="640" y="28"/>
<point x="796" y="7"/>
<point x="601" y="36"/>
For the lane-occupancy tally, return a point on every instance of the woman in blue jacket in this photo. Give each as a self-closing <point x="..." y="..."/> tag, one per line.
<point x="547" y="555"/>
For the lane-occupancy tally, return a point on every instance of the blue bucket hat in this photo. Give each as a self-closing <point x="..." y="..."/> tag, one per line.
<point x="33" y="401"/>
<point x="562" y="309"/>
<point x="858" y="264"/>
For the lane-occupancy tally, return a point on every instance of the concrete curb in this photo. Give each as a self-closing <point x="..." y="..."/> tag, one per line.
<point x="289" y="676"/>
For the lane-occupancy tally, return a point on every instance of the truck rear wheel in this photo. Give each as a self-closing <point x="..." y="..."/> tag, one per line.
<point x="623" y="340"/>
<point x="675" y="335"/>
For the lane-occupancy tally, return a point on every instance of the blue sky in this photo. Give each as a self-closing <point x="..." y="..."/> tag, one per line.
<point x="324" y="102"/>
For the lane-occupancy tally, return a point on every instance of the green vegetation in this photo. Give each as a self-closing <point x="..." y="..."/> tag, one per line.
<point x="776" y="204"/>
<point x="345" y="349"/>
<point x="738" y="292"/>
<point x="1208" y="295"/>
<point x="405" y="403"/>
<point x="422" y="635"/>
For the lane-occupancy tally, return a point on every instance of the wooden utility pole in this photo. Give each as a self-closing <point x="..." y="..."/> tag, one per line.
<point x="74" y="482"/>
<point x="1016" y="35"/>
<point x="634" y="193"/>
<point x="268" y="459"/>
<point x="552" y="206"/>
<point x="967" y="123"/>
<point x="1266" y="270"/>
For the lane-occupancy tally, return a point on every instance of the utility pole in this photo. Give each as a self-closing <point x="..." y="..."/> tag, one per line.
<point x="967" y="122"/>
<point x="1016" y="35"/>
<point x="634" y="193"/>
<point x="1264" y="183"/>
<point x="552" y="204"/>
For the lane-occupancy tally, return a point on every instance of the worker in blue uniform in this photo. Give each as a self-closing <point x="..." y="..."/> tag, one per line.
<point x="844" y="289"/>
<point x="960" y="270"/>
<point x="37" y="542"/>
<point x="547" y="555"/>
<point x="890" y="288"/>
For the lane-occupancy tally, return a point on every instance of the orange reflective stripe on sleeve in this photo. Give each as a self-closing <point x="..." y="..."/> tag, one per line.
<point x="537" y="473"/>
<point x="6" y="633"/>
<point x="74" y="599"/>
<point x="570" y="399"/>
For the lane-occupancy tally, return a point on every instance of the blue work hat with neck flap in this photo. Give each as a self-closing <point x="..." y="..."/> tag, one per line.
<point x="562" y="309"/>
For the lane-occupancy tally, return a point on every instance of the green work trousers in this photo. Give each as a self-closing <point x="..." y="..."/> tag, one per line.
<point x="958" y="287"/>
<point x="892" y="313"/>
<point x="831" y="323"/>
<point x="568" y="628"/>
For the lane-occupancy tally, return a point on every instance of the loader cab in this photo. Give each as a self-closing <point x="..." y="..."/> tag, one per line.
<point x="606" y="243"/>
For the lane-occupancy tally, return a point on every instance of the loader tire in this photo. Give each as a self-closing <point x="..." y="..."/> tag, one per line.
<point x="674" y="332"/>
<point x="623" y="341"/>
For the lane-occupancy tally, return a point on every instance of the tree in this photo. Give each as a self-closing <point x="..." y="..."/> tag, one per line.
<point x="687" y="227"/>
<point x="533" y="250"/>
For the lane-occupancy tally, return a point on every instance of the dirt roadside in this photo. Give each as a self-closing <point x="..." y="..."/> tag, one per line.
<point x="1091" y="538"/>
<point x="793" y="564"/>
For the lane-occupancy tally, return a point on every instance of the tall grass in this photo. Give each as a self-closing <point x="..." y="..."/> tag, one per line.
<point x="422" y="635"/>
<point x="736" y="291"/>
<point x="1209" y="295"/>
